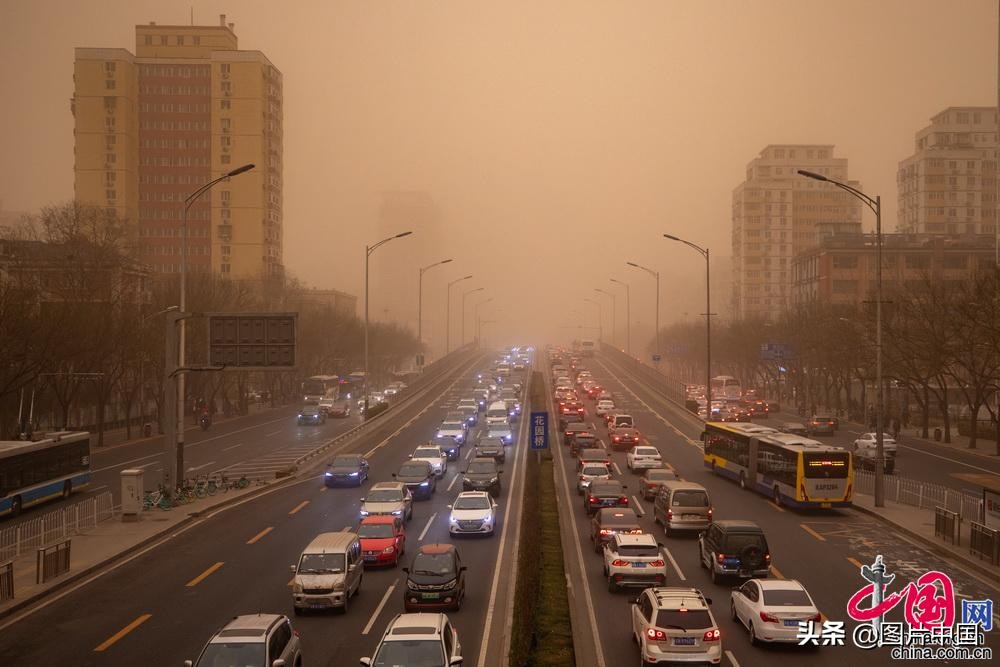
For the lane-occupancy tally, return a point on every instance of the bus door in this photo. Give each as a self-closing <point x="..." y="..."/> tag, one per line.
<point x="752" y="463"/>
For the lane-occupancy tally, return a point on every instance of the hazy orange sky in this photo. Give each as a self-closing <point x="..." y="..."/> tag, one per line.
<point x="558" y="139"/>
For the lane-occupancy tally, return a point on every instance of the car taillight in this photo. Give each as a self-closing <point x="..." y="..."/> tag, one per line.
<point x="670" y="515"/>
<point x="592" y="499"/>
<point x="818" y="618"/>
<point x="767" y="618"/>
<point x="656" y="635"/>
<point x="657" y="563"/>
<point x="623" y="500"/>
<point x="711" y="636"/>
<point x="767" y="558"/>
<point x="607" y="531"/>
<point x="617" y="438"/>
<point x="709" y="513"/>
<point x="618" y="562"/>
<point x="296" y="633"/>
<point x="583" y="478"/>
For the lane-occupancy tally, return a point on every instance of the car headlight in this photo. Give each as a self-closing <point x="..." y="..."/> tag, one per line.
<point x="440" y="434"/>
<point x="365" y="512"/>
<point x="452" y="519"/>
<point x="389" y="549"/>
<point x="397" y="512"/>
<point x="493" y="480"/>
<point x="296" y="587"/>
<point x="339" y="586"/>
<point x="459" y="438"/>
<point x="328" y="474"/>
<point x="354" y="474"/>
<point x="425" y="483"/>
<point x="300" y="416"/>
<point x="411" y="585"/>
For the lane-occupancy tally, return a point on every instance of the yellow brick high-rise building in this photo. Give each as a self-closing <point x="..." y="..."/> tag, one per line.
<point x="153" y="126"/>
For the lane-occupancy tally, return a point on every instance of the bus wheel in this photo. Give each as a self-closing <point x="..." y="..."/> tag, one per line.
<point x="777" y="496"/>
<point x="67" y="489"/>
<point x="15" y="506"/>
<point x="743" y="480"/>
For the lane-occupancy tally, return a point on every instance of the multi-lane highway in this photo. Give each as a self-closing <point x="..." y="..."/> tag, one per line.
<point x="162" y="605"/>
<point x="822" y="550"/>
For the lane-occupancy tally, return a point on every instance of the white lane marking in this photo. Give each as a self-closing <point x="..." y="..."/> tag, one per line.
<point x="151" y="463"/>
<point x="268" y="435"/>
<point x="453" y="480"/>
<point x="732" y="659"/>
<point x="618" y="471"/>
<point x="98" y="488"/>
<point x="946" y="458"/>
<point x="693" y="443"/>
<point x="423" y="533"/>
<point x="238" y="444"/>
<point x="378" y="609"/>
<point x="127" y="464"/>
<point x="412" y="419"/>
<point x="204" y="465"/>
<point x="507" y="513"/>
<point x="469" y="455"/>
<point x="637" y="505"/>
<point x="674" y="563"/>
<point x="239" y="430"/>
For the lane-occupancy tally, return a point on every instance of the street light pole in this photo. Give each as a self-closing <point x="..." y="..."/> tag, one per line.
<point x="614" y="315"/>
<point x="600" y="318"/>
<point x="447" y="314"/>
<point x="628" y="315"/>
<point x="420" y="302"/>
<point x="704" y="252"/>
<point x="368" y="253"/>
<point x="464" y="297"/>
<point x="174" y="436"/>
<point x="875" y="204"/>
<point x="478" y="323"/>
<point x="655" y="274"/>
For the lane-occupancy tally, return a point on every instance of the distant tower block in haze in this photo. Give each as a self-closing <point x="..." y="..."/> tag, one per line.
<point x="948" y="185"/>
<point x="150" y="128"/>
<point x="777" y="214"/>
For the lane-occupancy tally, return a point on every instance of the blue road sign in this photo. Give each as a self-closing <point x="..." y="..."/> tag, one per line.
<point x="539" y="430"/>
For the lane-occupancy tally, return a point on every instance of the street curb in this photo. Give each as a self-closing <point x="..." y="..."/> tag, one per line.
<point x="932" y="545"/>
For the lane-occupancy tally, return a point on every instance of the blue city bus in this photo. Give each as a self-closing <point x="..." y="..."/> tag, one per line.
<point x="33" y="471"/>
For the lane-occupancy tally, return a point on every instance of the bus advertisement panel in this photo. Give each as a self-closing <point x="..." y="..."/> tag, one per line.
<point x="35" y="471"/>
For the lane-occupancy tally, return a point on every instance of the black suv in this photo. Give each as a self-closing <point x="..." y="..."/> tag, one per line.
<point x="482" y="475"/>
<point x="435" y="579"/>
<point x="419" y="478"/>
<point x="734" y="548"/>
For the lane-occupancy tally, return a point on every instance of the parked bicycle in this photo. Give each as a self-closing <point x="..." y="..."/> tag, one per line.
<point x="157" y="498"/>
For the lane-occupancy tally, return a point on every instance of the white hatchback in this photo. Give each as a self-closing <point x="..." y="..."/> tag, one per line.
<point x="771" y="609"/>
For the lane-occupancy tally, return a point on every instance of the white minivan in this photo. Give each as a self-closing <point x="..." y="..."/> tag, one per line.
<point x="328" y="572"/>
<point x="497" y="413"/>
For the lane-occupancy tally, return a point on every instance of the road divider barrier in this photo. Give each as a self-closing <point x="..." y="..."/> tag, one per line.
<point x="7" y="581"/>
<point x="984" y="542"/>
<point x="948" y="525"/>
<point x="52" y="561"/>
<point x="57" y="525"/>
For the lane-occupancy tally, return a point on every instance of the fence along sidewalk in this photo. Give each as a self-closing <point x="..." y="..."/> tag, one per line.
<point x="922" y="494"/>
<point x="56" y="525"/>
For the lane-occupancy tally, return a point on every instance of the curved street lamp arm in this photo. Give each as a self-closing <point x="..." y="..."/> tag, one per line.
<point x="697" y="247"/>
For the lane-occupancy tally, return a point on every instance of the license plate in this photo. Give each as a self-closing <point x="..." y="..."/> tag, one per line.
<point x="638" y="564"/>
<point x="691" y="516"/>
<point x="317" y="606"/>
<point x="791" y="624"/>
<point x="369" y="559"/>
<point x="608" y="503"/>
<point x="430" y="596"/>
<point x="683" y="641"/>
<point x="825" y="505"/>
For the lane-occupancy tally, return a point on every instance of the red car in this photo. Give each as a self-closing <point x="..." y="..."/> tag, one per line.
<point x="383" y="540"/>
<point x="572" y="406"/>
<point x="595" y="391"/>
<point x="625" y="438"/>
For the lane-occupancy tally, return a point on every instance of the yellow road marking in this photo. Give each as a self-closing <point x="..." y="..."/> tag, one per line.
<point x="124" y="631"/>
<point x="298" y="507"/>
<point x="259" y="535"/>
<point x="777" y="573"/>
<point x="197" y="580"/>
<point x="855" y="562"/>
<point x="812" y="532"/>
<point x="324" y="488"/>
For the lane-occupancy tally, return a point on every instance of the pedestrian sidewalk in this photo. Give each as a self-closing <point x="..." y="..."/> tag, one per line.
<point x="93" y="549"/>
<point x="918" y="524"/>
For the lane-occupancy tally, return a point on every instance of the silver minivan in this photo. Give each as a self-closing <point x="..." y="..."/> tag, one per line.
<point x="682" y="505"/>
<point x="328" y="573"/>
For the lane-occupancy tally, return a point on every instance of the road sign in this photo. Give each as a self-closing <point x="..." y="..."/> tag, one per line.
<point x="252" y="341"/>
<point x="539" y="430"/>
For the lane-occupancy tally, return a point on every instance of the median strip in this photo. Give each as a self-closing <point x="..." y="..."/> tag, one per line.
<point x="201" y="577"/>
<point x="258" y="536"/>
<point x="107" y="643"/>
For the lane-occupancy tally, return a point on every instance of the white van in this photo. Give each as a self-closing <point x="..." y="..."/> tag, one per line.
<point x="328" y="572"/>
<point x="497" y="413"/>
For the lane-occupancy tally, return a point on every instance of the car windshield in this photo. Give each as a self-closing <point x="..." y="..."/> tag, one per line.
<point x="647" y="451"/>
<point x="472" y="503"/>
<point x="595" y="470"/>
<point x="321" y="563"/>
<point x="233" y="654"/>
<point x="439" y="564"/>
<point x="690" y="619"/>
<point x="498" y="429"/>
<point x="310" y="411"/>
<point x="690" y="499"/>
<point x="413" y="470"/>
<point x="375" y="530"/>
<point x="427" y="453"/>
<point x="450" y="426"/>
<point x="638" y="550"/>
<point x="659" y="475"/>
<point x="411" y="653"/>
<point x="482" y="467"/>
<point x="786" y="597"/>
<point x="610" y="488"/>
<point x="347" y="461"/>
<point x="384" y="496"/>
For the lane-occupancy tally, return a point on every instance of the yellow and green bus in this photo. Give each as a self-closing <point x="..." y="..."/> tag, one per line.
<point x="790" y="469"/>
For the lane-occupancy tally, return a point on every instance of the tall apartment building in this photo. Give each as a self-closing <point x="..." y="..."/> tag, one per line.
<point x="948" y="185"/>
<point x="153" y="126"/>
<point x="777" y="214"/>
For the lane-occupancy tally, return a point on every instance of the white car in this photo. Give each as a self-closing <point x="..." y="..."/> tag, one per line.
<point x="590" y="472"/>
<point x="434" y="456"/>
<point x="456" y="430"/>
<point x="634" y="561"/>
<point x="642" y="457"/>
<point x="501" y="431"/>
<point x="473" y="512"/>
<point x="604" y="406"/>
<point x="418" y="639"/>
<point x="867" y="441"/>
<point x="388" y="498"/>
<point x="771" y="609"/>
<point x="675" y="625"/>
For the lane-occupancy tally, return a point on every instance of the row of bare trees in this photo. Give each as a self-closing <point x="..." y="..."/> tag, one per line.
<point x="82" y="330"/>
<point x="940" y="353"/>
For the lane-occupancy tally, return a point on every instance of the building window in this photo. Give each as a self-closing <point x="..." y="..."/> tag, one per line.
<point x="109" y="84"/>
<point x="148" y="40"/>
<point x="163" y="40"/>
<point x="845" y="262"/>
<point x="225" y="159"/>
<point x="225" y="104"/>
<point x="225" y="268"/>
<point x="180" y="40"/>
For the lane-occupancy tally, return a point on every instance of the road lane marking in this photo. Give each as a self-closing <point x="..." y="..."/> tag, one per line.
<point x="378" y="609"/>
<point x="855" y="562"/>
<point x="298" y="507"/>
<point x="674" y="563"/>
<point x="775" y="507"/>
<point x="812" y="532"/>
<point x="618" y="471"/>
<point x="107" y="643"/>
<point x="238" y="444"/>
<point x="412" y="419"/>
<point x="777" y="573"/>
<point x="205" y="465"/>
<point x="261" y="534"/>
<point x="948" y="459"/>
<point x="732" y="659"/>
<point x="201" y="577"/>
<point x="453" y="480"/>
<point x="638" y="506"/>
<point x="423" y="533"/>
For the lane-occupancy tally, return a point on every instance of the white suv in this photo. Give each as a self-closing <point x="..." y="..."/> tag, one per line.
<point x="634" y="561"/>
<point x="261" y="639"/>
<point x="434" y="456"/>
<point x="418" y="639"/>
<point x="675" y="625"/>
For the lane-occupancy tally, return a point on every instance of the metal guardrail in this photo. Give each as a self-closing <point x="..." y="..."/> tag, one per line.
<point x="948" y="525"/>
<point x="984" y="542"/>
<point x="56" y="525"/>
<point x="922" y="494"/>
<point x="7" y="581"/>
<point x="53" y="561"/>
